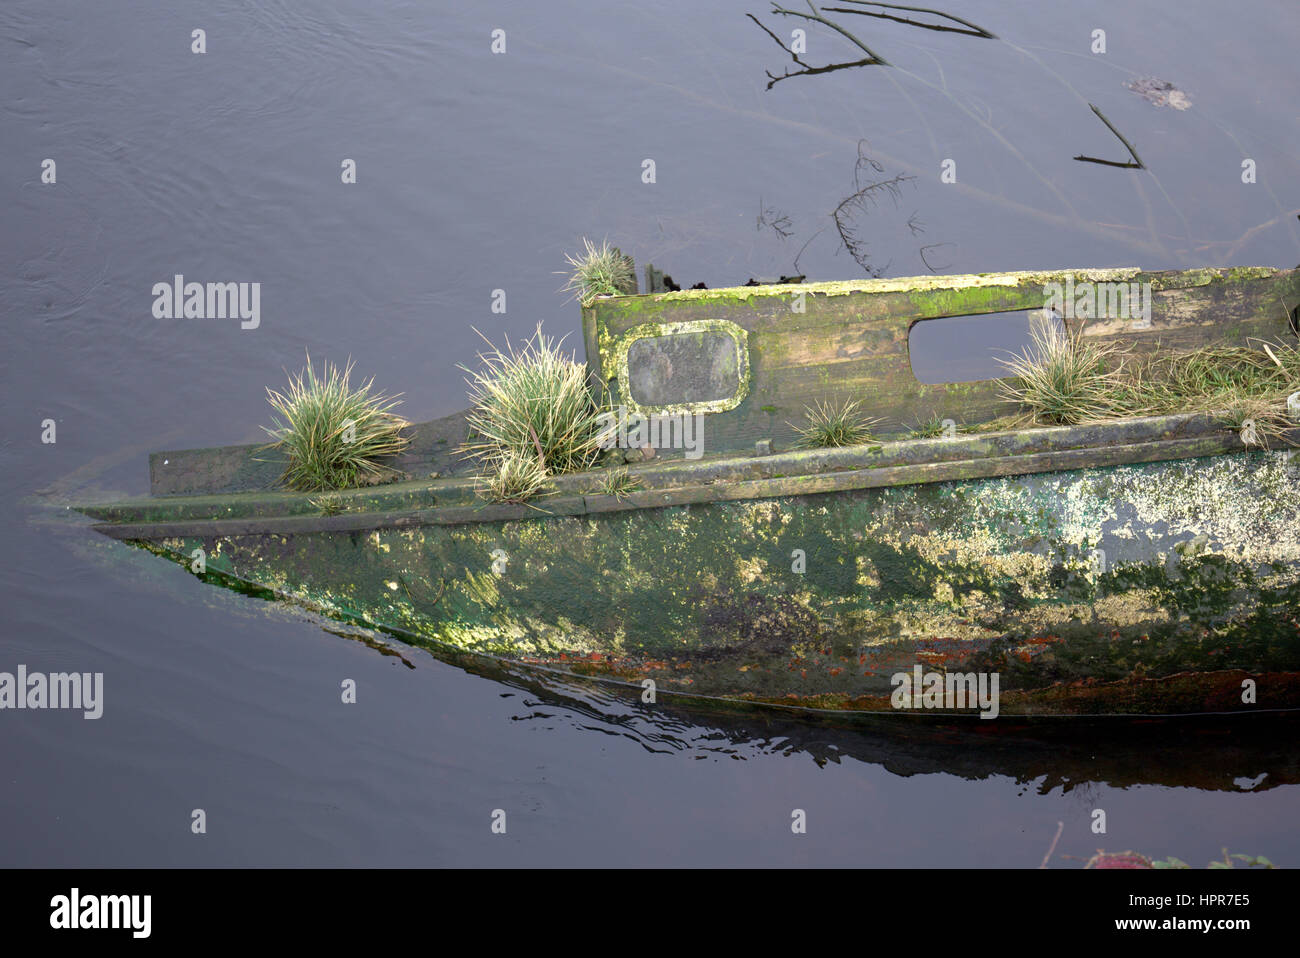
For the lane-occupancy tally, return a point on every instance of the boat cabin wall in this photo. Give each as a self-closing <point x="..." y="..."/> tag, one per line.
<point x="754" y="360"/>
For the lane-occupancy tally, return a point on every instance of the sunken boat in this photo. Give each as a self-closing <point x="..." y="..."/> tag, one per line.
<point x="1132" y="565"/>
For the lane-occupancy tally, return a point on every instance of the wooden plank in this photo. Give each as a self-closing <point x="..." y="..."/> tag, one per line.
<point x="244" y="468"/>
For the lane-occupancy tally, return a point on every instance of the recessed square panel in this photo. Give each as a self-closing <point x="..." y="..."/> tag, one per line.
<point x="699" y="366"/>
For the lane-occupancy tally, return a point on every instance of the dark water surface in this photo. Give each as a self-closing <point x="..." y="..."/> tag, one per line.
<point x="477" y="172"/>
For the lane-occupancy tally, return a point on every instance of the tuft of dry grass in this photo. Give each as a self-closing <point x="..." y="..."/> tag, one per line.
<point x="514" y="479"/>
<point x="1247" y="386"/>
<point x="617" y="482"/>
<point x="931" y="428"/>
<point x="1062" y="378"/>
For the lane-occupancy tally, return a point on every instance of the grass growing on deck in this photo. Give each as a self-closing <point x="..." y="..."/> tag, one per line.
<point x="931" y="428"/>
<point x="333" y="434"/>
<point x="514" y="478"/>
<point x="830" y="425"/>
<point x="1064" y="379"/>
<point x="1248" y="384"/>
<point x="618" y="483"/>
<point x="531" y="404"/>
<point x="599" y="271"/>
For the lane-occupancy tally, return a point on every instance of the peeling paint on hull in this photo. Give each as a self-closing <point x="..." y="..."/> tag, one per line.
<point x="1148" y="589"/>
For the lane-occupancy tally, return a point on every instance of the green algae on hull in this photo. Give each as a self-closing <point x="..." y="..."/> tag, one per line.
<point x="1132" y="589"/>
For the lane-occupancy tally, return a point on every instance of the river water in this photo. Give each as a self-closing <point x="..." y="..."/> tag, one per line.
<point x="476" y="171"/>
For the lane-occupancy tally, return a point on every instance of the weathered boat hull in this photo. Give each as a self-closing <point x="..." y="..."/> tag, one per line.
<point x="1146" y="566"/>
<point x="1159" y="588"/>
<point x="1236" y="752"/>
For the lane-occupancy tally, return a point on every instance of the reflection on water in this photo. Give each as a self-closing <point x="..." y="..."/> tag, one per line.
<point x="1236" y="754"/>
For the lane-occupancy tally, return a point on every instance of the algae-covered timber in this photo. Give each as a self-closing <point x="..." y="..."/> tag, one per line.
<point x="1143" y="566"/>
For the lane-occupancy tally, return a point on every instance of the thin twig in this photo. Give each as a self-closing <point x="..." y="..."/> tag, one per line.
<point x="860" y="203"/>
<point x="1136" y="165"/>
<point x="1060" y="827"/>
<point x="807" y="70"/>
<point x="816" y="17"/>
<point x="779" y="222"/>
<point x="779" y="42"/>
<point x="1115" y="163"/>
<point x="805" y="246"/>
<point x="978" y="31"/>
<point x="922" y="250"/>
<point x="813" y="71"/>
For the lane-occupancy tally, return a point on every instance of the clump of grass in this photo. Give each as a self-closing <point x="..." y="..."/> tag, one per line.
<point x="328" y="504"/>
<point x="1245" y="385"/>
<point x="617" y="482"/>
<point x="533" y="417"/>
<point x="931" y="428"/>
<point x="1061" y="378"/>
<point x="830" y="425"/>
<point x="1258" y="422"/>
<point x="514" y="478"/>
<point x="534" y="403"/>
<point x="599" y="271"/>
<point x="335" y="435"/>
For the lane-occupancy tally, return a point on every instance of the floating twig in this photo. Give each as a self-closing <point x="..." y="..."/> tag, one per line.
<point x="924" y="260"/>
<point x="1135" y="164"/>
<point x="861" y="202"/>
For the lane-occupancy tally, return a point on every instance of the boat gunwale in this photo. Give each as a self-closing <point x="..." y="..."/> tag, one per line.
<point x="794" y="473"/>
<point x="1161" y="280"/>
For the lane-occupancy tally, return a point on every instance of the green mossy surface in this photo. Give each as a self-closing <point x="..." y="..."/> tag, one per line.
<point x="1203" y="574"/>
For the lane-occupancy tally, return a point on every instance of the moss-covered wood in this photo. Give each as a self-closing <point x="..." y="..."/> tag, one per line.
<point x="798" y="472"/>
<point x="1136" y="566"/>
<point x="816" y="342"/>
<point x="1132" y="589"/>
<point x="244" y="468"/>
<point x="849" y="343"/>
